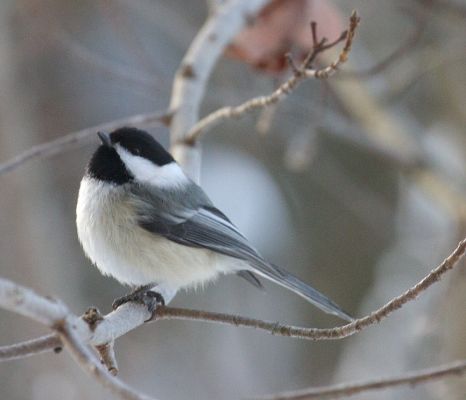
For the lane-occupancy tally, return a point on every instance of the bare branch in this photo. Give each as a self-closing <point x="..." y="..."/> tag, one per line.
<point x="323" y="334"/>
<point x="300" y="73"/>
<point x="130" y="316"/>
<point x="107" y="357"/>
<point x="453" y="369"/>
<point x="72" y="331"/>
<point x="75" y="139"/>
<point x="93" y="317"/>
<point x="77" y="334"/>
<point x="26" y="302"/>
<point x="187" y="92"/>
<point x="195" y="69"/>
<point x="115" y="324"/>
<point x="87" y="360"/>
<point x="30" y="347"/>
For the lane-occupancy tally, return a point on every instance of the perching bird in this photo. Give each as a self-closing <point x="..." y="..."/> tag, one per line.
<point x="141" y="220"/>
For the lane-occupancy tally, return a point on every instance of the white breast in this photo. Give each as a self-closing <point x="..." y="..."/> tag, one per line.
<point x="115" y="243"/>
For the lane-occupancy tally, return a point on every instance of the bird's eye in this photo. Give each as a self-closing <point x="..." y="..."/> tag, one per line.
<point x="136" y="152"/>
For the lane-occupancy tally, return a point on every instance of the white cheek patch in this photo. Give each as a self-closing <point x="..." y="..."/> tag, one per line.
<point x="143" y="170"/>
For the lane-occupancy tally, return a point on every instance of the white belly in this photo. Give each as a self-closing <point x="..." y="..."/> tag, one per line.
<point x="115" y="243"/>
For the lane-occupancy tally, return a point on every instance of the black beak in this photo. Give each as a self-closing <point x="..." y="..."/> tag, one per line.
<point x="105" y="138"/>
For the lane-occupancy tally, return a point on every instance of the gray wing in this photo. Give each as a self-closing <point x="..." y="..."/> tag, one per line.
<point x="185" y="218"/>
<point x="204" y="226"/>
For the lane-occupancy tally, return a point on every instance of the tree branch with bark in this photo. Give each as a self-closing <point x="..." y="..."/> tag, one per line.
<point x="85" y="336"/>
<point x="453" y="369"/>
<point x="75" y="333"/>
<point x="299" y="74"/>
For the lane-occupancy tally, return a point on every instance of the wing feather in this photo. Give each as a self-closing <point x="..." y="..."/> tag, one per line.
<point x="204" y="229"/>
<point x="204" y="226"/>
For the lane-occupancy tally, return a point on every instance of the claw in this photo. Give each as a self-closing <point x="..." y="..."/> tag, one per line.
<point x="152" y="300"/>
<point x="143" y="295"/>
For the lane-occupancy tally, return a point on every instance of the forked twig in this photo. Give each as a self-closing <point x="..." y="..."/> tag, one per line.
<point x="118" y="322"/>
<point x="300" y="73"/>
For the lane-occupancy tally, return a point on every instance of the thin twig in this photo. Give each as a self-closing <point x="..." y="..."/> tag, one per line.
<point x="93" y="317"/>
<point x="107" y="357"/>
<point x="300" y="73"/>
<point x="453" y="369"/>
<point x="74" y="139"/>
<point x="322" y="334"/>
<point x="73" y="332"/>
<point x="30" y="347"/>
<point x="130" y="316"/>
<point x="194" y="72"/>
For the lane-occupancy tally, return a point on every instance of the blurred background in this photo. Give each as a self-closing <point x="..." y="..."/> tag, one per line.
<point x="355" y="184"/>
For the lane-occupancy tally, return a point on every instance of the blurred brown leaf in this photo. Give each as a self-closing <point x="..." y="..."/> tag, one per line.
<point x="284" y="26"/>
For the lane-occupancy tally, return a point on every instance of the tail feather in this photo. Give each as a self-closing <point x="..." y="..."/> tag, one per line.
<point x="291" y="282"/>
<point x="251" y="278"/>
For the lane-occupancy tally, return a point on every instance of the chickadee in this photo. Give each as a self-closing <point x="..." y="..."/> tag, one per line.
<point x="141" y="220"/>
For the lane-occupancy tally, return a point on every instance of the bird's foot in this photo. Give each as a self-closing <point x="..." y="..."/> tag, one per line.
<point x="143" y="295"/>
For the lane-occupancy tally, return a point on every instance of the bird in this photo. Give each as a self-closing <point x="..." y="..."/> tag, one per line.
<point x="143" y="221"/>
